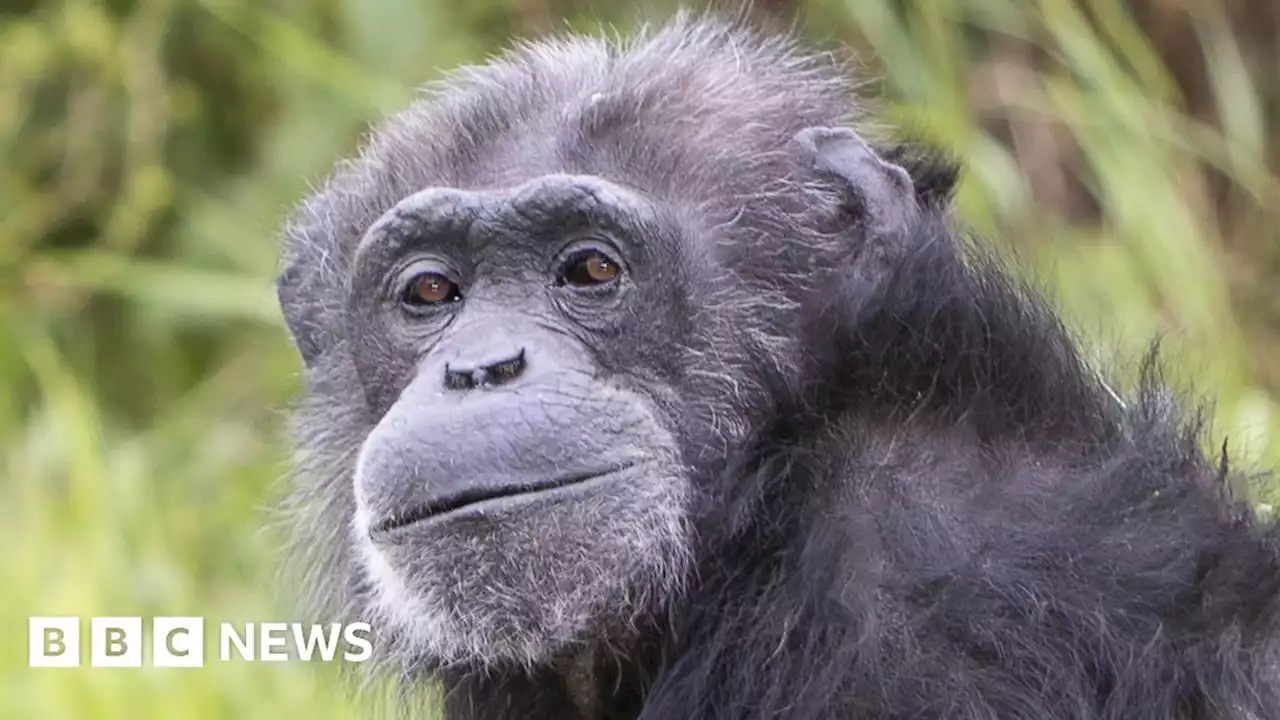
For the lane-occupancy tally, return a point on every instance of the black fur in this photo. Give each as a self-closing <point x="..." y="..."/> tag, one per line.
<point x="961" y="522"/>
<point x="939" y="510"/>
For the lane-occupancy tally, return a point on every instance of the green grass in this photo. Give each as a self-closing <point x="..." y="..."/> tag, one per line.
<point x="147" y="156"/>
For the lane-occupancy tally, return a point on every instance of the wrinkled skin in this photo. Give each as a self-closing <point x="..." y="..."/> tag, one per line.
<point x="639" y="386"/>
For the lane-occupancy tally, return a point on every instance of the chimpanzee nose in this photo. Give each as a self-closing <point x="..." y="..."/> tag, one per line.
<point x="465" y="374"/>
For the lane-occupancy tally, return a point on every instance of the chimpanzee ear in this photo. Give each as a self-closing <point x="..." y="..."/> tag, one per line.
<point x="884" y="191"/>
<point x="302" y="318"/>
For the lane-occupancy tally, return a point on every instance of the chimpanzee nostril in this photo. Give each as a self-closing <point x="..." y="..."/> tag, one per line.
<point x="463" y="376"/>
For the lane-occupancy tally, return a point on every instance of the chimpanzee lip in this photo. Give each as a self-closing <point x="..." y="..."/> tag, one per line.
<point x="444" y="506"/>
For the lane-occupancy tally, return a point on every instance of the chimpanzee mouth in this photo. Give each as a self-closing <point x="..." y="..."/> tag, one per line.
<point x="437" y="509"/>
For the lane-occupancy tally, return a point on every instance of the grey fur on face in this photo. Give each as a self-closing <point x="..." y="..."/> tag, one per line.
<point x="523" y="585"/>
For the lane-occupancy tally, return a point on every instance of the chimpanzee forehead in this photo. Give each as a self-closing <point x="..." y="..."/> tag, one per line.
<point x="555" y="202"/>
<point x="682" y="113"/>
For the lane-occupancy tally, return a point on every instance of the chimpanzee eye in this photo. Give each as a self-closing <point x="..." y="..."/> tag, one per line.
<point x="430" y="288"/>
<point x="589" y="268"/>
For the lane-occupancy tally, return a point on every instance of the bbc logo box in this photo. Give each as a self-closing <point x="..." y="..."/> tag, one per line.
<point x="115" y="641"/>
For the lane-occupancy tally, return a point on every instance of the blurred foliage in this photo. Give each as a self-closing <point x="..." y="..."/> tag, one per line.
<point x="1126" y="151"/>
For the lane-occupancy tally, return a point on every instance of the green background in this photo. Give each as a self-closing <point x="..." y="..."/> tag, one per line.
<point x="1126" y="151"/>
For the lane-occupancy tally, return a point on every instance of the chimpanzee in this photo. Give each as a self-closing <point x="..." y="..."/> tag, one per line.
<point x="640" y="384"/>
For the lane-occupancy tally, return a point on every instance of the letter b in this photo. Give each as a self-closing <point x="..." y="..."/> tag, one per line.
<point x="53" y="641"/>
<point x="116" y="642"/>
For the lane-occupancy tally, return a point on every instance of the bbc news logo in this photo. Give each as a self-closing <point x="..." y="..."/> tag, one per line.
<point x="180" y="641"/>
